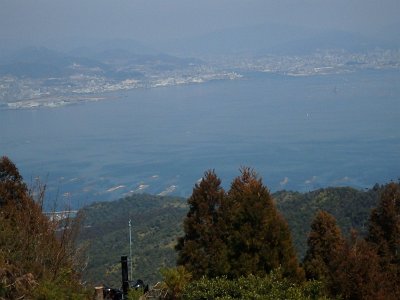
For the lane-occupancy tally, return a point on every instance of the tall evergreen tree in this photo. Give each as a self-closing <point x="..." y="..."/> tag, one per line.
<point x="349" y="269"/>
<point x="384" y="225"/>
<point x="384" y="234"/>
<point x="358" y="274"/>
<point x="201" y="250"/>
<point x="258" y="237"/>
<point x="325" y="242"/>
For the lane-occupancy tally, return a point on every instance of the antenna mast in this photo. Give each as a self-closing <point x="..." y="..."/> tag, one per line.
<point x="130" y="249"/>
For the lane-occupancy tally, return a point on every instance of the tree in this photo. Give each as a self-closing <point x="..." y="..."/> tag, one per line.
<point x="200" y="250"/>
<point x="384" y="233"/>
<point x="350" y="268"/>
<point x="358" y="274"/>
<point x="34" y="262"/>
<point x="12" y="187"/>
<point x="258" y="237"/>
<point x="324" y="242"/>
<point x="384" y="225"/>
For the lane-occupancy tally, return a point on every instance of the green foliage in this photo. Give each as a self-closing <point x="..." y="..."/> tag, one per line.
<point x="236" y="233"/>
<point x="135" y="294"/>
<point x="156" y="224"/>
<point x="61" y="288"/>
<point x="273" y="286"/>
<point x="175" y="280"/>
<point x="350" y="207"/>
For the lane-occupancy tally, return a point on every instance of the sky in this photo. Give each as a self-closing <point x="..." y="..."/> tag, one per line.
<point x="37" y="21"/>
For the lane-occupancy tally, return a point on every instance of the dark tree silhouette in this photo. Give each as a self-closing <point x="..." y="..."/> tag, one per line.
<point x="324" y="242"/>
<point x="358" y="274"/>
<point x="350" y="269"/>
<point x="12" y="187"/>
<point x="384" y="225"/>
<point x="201" y="250"/>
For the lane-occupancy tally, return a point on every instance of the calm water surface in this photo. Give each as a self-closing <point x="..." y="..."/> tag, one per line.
<point x="299" y="133"/>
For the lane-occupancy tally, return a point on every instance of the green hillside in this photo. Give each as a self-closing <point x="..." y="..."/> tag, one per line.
<point x="349" y="206"/>
<point x="157" y="222"/>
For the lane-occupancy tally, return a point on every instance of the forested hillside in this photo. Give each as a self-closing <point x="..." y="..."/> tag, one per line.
<point x="349" y="206"/>
<point x="157" y="223"/>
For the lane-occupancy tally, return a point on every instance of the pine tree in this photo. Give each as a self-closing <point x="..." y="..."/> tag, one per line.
<point x="201" y="250"/>
<point x="258" y="237"/>
<point x="324" y="242"/>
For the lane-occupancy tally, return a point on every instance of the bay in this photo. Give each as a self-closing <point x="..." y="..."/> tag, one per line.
<point x="298" y="133"/>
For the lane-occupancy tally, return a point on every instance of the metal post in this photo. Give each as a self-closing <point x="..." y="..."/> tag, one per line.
<point x="130" y="249"/>
<point x="124" y="273"/>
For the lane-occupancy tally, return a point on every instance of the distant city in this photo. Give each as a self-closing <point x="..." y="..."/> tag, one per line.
<point x="63" y="80"/>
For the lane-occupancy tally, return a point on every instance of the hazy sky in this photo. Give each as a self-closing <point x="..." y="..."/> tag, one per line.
<point x="151" y="20"/>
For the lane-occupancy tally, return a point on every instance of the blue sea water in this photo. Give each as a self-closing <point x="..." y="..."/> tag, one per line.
<point x="298" y="133"/>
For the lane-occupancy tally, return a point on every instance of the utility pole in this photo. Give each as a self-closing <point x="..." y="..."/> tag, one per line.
<point x="130" y="249"/>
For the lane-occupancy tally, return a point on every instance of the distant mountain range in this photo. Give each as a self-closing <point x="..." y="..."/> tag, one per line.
<point x="267" y="38"/>
<point x="42" y="62"/>
<point x="270" y="38"/>
<point x="39" y="62"/>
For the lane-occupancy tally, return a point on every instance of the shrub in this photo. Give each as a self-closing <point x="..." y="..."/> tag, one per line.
<point x="272" y="286"/>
